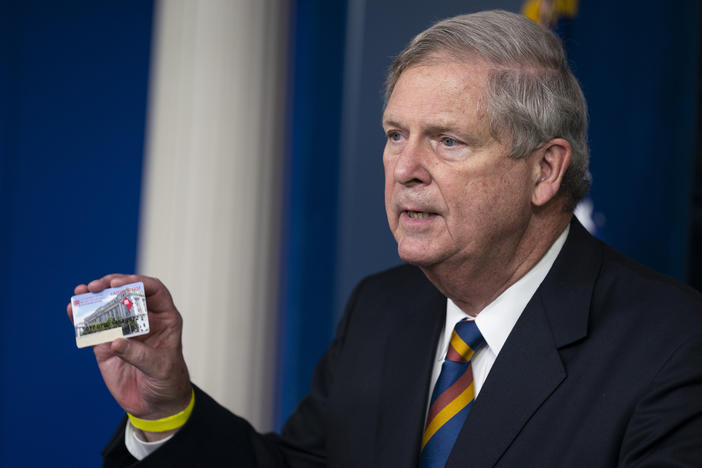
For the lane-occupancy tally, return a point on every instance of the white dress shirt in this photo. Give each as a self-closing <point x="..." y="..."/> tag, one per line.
<point x="137" y="447"/>
<point x="495" y="323"/>
<point x="497" y="319"/>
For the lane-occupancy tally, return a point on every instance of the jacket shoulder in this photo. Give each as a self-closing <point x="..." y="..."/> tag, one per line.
<point x="624" y="280"/>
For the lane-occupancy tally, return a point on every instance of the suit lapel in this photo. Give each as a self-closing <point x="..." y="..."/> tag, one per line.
<point x="529" y="367"/>
<point x="408" y="362"/>
<point x="527" y="370"/>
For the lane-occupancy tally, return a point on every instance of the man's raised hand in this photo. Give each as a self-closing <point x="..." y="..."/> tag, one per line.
<point x="147" y="374"/>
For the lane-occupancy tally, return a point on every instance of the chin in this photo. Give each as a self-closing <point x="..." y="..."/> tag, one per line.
<point x="417" y="258"/>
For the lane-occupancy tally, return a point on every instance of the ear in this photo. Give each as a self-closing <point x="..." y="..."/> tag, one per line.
<point x="551" y="163"/>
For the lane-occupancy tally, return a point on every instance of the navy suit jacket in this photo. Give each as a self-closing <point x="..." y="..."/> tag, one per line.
<point x="603" y="368"/>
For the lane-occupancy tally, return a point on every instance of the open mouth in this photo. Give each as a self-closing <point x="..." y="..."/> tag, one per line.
<point x="419" y="214"/>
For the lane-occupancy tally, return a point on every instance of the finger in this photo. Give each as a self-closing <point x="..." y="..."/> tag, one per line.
<point x="135" y="353"/>
<point x="97" y="285"/>
<point x="109" y="277"/>
<point x="69" y="311"/>
<point x="151" y="285"/>
<point x="158" y="297"/>
<point x="104" y="282"/>
<point x="121" y="280"/>
<point x="156" y="290"/>
<point x="103" y="351"/>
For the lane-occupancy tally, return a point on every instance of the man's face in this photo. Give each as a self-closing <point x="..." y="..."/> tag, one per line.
<point x="452" y="195"/>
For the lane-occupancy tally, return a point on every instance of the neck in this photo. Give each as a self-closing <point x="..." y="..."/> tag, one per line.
<point x="473" y="286"/>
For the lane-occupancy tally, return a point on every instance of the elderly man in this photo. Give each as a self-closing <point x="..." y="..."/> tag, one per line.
<point x="512" y="339"/>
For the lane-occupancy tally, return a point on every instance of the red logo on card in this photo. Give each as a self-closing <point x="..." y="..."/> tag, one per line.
<point x="128" y="303"/>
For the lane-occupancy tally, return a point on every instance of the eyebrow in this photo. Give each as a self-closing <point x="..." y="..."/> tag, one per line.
<point x="437" y="129"/>
<point x="445" y="125"/>
<point x="440" y="127"/>
<point x="390" y="123"/>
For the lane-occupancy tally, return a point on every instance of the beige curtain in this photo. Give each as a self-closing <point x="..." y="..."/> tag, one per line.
<point x="210" y="201"/>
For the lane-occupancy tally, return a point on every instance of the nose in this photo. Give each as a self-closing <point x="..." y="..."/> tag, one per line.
<point x="410" y="166"/>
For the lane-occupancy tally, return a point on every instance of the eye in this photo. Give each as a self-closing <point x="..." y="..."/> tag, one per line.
<point x="448" y="141"/>
<point x="394" y="135"/>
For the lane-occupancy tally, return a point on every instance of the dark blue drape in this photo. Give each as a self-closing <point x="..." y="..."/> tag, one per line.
<point x="73" y="84"/>
<point x="637" y="62"/>
<point x="310" y="196"/>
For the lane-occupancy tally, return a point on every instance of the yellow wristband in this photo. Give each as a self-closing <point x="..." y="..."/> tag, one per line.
<point x="165" y="424"/>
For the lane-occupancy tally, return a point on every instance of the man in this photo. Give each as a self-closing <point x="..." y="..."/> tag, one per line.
<point x="582" y="357"/>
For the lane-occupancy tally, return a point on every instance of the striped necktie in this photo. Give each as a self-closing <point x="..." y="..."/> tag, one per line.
<point x="453" y="396"/>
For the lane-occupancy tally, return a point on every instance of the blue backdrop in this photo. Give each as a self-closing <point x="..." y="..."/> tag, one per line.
<point x="317" y="33"/>
<point x="72" y="116"/>
<point x="638" y="64"/>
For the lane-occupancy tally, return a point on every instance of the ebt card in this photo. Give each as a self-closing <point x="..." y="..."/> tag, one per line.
<point x="110" y="314"/>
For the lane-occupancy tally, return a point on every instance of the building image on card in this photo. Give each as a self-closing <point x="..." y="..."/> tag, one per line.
<point x="122" y="308"/>
<point x="125" y="305"/>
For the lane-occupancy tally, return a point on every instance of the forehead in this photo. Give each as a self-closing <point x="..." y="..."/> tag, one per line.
<point x="439" y="90"/>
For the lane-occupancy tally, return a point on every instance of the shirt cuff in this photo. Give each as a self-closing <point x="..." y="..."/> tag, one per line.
<point x="137" y="447"/>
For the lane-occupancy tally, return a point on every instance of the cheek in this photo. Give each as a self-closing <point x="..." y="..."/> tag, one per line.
<point x="388" y="166"/>
<point x="479" y="202"/>
<point x="506" y="200"/>
<point x="389" y="185"/>
<point x="469" y="195"/>
<point x="516" y="187"/>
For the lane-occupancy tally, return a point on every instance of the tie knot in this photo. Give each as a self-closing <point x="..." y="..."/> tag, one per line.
<point x="465" y="340"/>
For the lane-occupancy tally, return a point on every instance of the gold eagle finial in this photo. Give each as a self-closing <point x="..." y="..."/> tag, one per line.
<point x="547" y="12"/>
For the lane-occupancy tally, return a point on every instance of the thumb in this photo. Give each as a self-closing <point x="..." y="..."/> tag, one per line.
<point x="135" y="353"/>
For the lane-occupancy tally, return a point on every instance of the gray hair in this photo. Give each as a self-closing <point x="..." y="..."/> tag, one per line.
<point x="532" y="95"/>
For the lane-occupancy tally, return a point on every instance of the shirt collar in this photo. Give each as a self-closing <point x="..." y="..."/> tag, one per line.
<point x="497" y="319"/>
